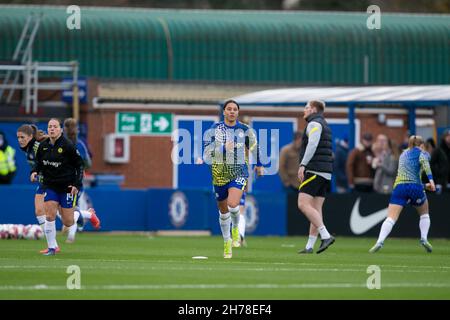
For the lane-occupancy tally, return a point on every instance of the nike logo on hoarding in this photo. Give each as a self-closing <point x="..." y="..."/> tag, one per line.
<point x="360" y="224"/>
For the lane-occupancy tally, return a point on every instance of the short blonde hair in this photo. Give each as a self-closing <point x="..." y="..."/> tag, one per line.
<point x="318" y="104"/>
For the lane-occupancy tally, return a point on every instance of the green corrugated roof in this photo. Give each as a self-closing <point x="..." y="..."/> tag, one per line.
<point x="243" y="46"/>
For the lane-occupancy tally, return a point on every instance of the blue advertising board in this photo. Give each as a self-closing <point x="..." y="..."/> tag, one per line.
<point x="154" y="209"/>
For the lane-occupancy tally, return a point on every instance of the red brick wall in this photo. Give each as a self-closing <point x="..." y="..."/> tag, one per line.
<point x="150" y="163"/>
<point x="369" y="123"/>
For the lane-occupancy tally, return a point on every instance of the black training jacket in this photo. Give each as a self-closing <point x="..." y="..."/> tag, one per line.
<point x="60" y="164"/>
<point x="322" y="161"/>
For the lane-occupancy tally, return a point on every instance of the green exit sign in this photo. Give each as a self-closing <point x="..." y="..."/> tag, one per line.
<point x="136" y="123"/>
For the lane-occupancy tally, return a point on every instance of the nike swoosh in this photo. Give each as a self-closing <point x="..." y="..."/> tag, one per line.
<point x="360" y="224"/>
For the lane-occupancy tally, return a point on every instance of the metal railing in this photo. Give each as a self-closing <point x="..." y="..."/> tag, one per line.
<point x="31" y="84"/>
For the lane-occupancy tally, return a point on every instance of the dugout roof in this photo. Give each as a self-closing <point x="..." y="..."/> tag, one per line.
<point x="409" y="97"/>
<point x="404" y="95"/>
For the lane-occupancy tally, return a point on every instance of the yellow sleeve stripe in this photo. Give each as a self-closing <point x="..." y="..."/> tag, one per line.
<point x="307" y="181"/>
<point x="314" y="129"/>
<point x="253" y="146"/>
<point x="74" y="201"/>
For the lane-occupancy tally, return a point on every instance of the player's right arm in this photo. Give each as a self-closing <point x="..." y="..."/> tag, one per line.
<point x="213" y="148"/>
<point x="37" y="167"/>
<point x="75" y="158"/>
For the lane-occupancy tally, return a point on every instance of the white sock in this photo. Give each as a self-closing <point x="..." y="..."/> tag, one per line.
<point x="323" y="232"/>
<point x="234" y="216"/>
<point x="73" y="228"/>
<point x="50" y="234"/>
<point x="311" y="242"/>
<point x="386" y="228"/>
<point x="76" y="216"/>
<point x="225" y="224"/>
<point x="86" y="214"/>
<point x="242" y="225"/>
<point x="424" y="225"/>
<point x="41" y="221"/>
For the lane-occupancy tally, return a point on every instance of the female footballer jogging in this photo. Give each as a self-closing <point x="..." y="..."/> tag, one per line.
<point x="408" y="189"/>
<point x="62" y="172"/>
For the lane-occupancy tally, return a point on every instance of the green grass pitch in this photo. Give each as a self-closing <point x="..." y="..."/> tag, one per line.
<point x="146" y="267"/>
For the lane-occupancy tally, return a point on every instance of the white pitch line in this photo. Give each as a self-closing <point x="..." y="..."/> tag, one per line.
<point x="234" y="263"/>
<point x="225" y="286"/>
<point x="341" y="264"/>
<point x="317" y="269"/>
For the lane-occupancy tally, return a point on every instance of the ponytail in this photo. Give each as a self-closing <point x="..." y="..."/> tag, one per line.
<point x="415" y="141"/>
<point x="32" y="130"/>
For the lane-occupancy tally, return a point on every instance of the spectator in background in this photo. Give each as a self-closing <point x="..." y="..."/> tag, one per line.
<point x="385" y="165"/>
<point x="289" y="163"/>
<point x="7" y="161"/>
<point x="339" y="164"/>
<point x="440" y="162"/>
<point x="360" y="173"/>
<point x="430" y="145"/>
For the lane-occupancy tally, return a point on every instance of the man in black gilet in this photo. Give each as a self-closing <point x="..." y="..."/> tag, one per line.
<point x="316" y="166"/>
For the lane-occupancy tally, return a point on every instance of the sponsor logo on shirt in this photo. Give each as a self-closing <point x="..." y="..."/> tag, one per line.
<point x="51" y="163"/>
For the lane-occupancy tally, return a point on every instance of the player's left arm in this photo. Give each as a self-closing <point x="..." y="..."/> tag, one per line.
<point x="252" y="145"/>
<point x="77" y="161"/>
<point x="425" y="166"/>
